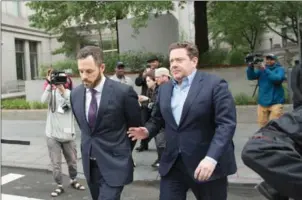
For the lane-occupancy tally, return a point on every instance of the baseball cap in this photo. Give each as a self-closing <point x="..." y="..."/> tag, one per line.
<point x="271" y="56"/>
<point x="152" y="58"/>
<point x="120" y="64"/>
<point x="162" y="72"/>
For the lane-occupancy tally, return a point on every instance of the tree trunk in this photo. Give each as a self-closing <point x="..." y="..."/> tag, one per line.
<point x="99" y="29"/>
<point x="201" y="26"/>
<point x="117" y="34"/>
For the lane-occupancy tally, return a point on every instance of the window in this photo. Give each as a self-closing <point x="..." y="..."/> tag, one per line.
<point x="33" y="58"/>
<point x="16" y="8"/>
<point x="284" y="33"/>
<point x="20" y="61"/>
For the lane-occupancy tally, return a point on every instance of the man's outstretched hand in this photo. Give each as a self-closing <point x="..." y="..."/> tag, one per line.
<point x="138" y="133"/>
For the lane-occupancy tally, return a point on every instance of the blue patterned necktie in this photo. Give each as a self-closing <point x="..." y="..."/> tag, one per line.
<point x="93" y="107"/>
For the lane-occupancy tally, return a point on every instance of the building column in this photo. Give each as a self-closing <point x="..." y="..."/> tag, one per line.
<point x="27" y="60"/>
<point x="40" y="57"/>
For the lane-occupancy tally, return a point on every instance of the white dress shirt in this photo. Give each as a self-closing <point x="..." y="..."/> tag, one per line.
<point x="99" y="89"/>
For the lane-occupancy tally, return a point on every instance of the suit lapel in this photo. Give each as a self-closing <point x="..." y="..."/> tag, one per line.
<point x="104" y="102"/>
<point x="193" y="92"/>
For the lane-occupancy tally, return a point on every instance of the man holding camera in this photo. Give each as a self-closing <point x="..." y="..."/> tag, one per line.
<point x="271" y="96"/>
<point x="60" y="129"/>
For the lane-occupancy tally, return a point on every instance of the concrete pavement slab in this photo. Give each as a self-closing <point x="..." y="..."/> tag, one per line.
<point x="36" y="156"/>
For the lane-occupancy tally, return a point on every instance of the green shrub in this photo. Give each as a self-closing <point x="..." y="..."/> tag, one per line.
<point x="60" y="65"/>
<point x="214" y="57"/>
<point x="21" y="103"/>
<point x="134" y="61"/>
<point x="235" y="57"/>
<point x="244" y="99"/>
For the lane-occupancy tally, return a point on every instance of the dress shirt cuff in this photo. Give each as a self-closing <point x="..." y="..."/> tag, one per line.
<point x="211" y="160"/>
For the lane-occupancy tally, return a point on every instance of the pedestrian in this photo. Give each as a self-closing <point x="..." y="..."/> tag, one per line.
<point x="104" y="109"/>
<point x="198" y="113"/>
<point x="60" y="133"/>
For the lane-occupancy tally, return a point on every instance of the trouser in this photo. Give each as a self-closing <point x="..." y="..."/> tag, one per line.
<point x="98" y="187"/>
<point x="177" y="182"/>
<point x="55" y="149"/>
<point x="265" y="114"/>
<point x="160" y="143"/>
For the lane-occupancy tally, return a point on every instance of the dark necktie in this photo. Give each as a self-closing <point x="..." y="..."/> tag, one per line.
<point x="93" y="107"/>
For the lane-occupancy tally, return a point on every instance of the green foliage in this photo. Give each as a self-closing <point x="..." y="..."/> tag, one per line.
<point x="213" y="57"/>
<point x="21" y="103"/>
<point x="235" y="57"/>
<point x="244" y="99"/>
<point x="73" y="21"/>
<point x="240" y="23"/>
<point x="134" y="61"/>
<point x="237" y="23"/>
<point x="283" y="14"/>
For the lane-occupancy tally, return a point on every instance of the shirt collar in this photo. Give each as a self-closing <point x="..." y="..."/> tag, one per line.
<point x="99" y="87"/>
<point x="188" y="79"/>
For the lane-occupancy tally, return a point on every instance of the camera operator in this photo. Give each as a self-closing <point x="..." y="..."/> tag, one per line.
<point x="271" y="96"/>
<point x="60" y="130"/>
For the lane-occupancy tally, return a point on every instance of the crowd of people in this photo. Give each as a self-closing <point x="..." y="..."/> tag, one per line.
<point x="190" y="114"/>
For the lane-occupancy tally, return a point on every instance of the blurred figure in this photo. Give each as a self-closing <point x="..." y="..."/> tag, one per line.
<point x="120" y="76"/>
<point x="296" y="84"/>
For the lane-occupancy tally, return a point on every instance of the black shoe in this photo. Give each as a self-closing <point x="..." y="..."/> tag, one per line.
<point x="142" y="148"/>
<point x="268" y="192"/>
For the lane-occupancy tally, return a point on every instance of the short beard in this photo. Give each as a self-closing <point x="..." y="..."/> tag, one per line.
<point x="96" y="82"/>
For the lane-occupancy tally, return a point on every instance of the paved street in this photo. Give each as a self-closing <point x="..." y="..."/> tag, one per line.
<point x="33" y="131"/>
<point x="22" y="184"/>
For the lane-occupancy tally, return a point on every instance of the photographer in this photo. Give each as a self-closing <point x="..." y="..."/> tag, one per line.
<point x="271" y="96"/>
<point x="60" y="130"/>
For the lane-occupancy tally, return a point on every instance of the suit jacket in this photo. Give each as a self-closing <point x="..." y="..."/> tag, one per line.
<point x="108" y="141"/>
<point x="206" y="127"/>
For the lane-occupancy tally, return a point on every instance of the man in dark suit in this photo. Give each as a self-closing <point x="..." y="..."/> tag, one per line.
<point x="199" y="116"/>
<point x="104" y="110"/>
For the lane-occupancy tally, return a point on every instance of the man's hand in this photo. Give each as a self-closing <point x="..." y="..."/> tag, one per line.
<point x="204" y="170"/>
<point x="138" y="133"/>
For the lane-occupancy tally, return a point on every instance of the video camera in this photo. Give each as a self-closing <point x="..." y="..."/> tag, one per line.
<point x="58" y="77"/>
<point x="253" y="58"/>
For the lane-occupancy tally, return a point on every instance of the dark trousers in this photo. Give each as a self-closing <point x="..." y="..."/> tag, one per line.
<point x="98" y="187"/>
<point x="177" y="182"/>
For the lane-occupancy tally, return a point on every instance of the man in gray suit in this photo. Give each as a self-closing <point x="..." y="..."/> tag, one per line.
<point x="104" y="110"/>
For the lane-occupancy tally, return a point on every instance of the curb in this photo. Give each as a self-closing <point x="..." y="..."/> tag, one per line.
<point x="148" y="183"/>
<point x="45" y="110"/>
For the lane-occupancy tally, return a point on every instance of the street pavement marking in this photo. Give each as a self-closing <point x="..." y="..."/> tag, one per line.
<point x="15" y="197"/>
<point x="10" y="177"/>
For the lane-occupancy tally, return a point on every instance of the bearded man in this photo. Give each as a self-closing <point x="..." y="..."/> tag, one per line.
<point x="104" y="110"/>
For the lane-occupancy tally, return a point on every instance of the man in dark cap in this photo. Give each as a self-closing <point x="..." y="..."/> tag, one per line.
<point x="120" y="76"/>
<point x="152" y="64"/>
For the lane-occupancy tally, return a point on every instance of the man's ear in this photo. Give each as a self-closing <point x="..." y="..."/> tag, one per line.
<point x="102" y="67"/>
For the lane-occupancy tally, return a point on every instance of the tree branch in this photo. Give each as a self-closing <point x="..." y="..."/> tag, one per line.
<point x="282" y="35"/>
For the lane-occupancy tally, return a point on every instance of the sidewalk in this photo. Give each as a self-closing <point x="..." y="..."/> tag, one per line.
<point x="36" y="155"/>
